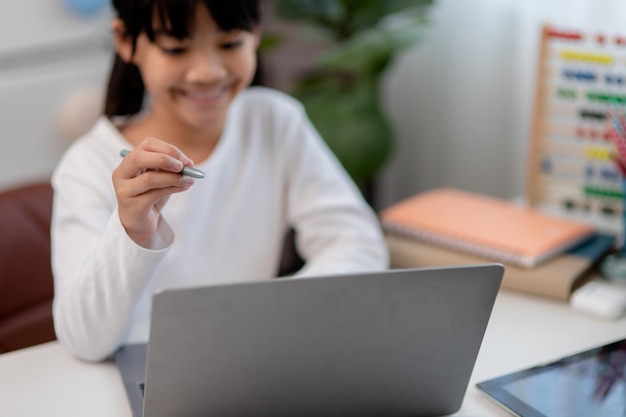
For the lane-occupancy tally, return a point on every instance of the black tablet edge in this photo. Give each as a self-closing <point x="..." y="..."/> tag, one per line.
<point x="493" y="386"/>
<point x="508" y="401"/>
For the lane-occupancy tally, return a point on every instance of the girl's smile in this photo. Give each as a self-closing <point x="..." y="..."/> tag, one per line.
<point x="204" y="96"/>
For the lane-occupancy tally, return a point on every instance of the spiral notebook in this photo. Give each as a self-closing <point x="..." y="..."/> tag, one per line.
<point x="484" y="226"/>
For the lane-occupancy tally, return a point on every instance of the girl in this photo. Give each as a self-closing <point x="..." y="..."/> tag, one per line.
<point x="115" y="242"/>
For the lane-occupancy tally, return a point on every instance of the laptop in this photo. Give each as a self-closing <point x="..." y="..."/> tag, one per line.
<point x="393" y="343"/>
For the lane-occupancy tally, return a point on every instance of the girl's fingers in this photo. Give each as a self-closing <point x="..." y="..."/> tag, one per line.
<point x="139" y="161"/>
<point x="159" y="146"/>
<point x="153" y="180"/>
<point x="154" y="196"/>
<point x="153" y="154"/>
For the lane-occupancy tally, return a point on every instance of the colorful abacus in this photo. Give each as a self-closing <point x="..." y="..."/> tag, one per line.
<point x="580" y="78"/>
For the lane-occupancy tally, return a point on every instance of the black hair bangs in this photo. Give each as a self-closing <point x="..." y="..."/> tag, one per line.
<point x="176" y="17"/>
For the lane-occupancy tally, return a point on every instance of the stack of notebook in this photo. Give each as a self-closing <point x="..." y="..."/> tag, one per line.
<point x="543" y="254"/>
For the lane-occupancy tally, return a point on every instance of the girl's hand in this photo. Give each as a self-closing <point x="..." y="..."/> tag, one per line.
<point x="143" y="182"/>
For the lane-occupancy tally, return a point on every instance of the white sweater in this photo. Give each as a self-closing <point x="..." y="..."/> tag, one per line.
<point x="269" y="171"/>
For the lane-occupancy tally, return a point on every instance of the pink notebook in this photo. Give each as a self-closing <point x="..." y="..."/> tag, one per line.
<point x="485" y="226"/>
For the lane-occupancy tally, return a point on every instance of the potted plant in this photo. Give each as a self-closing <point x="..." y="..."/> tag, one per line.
<point x="340" y="92"/>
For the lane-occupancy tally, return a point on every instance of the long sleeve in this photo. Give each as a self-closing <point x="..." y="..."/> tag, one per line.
<point x="269" y="171"/>
<point x="100" y="273"/>
<point x="336" y="229"/>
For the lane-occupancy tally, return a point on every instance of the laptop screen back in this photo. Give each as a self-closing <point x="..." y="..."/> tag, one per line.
<point x="395" y="343"/>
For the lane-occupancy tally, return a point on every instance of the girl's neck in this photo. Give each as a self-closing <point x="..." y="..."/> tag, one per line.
<point x="195" y="143"/>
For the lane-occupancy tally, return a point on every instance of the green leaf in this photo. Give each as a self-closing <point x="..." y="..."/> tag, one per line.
<point x="368" y="53"/>
<point x="344" y="18"/>
<point x="270" y="41"/>
<point x="312" y="10"/>
<point x="340" y="92"/>
<point x="353" y="127"/>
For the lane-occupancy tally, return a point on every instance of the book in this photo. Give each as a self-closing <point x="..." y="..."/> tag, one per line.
<point x="556" y="278"/>
<point x="484" y="226"/>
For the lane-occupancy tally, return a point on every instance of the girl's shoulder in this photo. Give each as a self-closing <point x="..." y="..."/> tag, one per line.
<point x="99" y="147"/>
<point x="103" y="137"/>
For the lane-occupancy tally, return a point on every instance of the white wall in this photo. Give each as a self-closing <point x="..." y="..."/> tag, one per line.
<point x="461" y="101"/>
<point x="51" y="61"/>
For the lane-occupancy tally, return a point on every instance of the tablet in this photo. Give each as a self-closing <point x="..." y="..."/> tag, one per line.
<point x="589" y="383"/>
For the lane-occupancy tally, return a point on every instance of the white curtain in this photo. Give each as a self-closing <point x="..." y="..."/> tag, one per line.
<point x="461" y="101"/>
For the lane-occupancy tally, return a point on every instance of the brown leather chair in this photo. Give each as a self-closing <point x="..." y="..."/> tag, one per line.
<point x="26" y="287"/>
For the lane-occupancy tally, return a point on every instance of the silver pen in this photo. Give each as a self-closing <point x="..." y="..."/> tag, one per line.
<point x="188" y="171"/>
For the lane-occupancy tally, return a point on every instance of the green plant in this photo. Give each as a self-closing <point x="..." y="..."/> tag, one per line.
<point x="341" y="92"/>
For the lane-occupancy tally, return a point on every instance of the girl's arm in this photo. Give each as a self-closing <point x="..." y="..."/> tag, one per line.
<point x="336" y="229"/>
<point x="100" y="271"/>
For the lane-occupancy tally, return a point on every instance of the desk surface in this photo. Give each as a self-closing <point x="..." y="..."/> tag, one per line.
<point x="523" y="331"/>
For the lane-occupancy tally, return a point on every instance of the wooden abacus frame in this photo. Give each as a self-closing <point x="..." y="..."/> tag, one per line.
<point x="570" y="170"/>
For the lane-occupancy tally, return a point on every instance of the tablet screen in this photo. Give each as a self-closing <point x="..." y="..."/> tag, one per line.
<point x="589" y="383"/>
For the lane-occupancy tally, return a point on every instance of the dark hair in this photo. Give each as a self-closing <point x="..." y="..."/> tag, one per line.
<point x="125" y="89"/>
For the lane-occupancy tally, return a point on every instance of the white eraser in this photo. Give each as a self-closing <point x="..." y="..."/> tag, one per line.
<point x="599" y="299"/>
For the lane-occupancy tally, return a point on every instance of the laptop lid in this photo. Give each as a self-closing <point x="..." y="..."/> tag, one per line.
<point x="394" y="343"/>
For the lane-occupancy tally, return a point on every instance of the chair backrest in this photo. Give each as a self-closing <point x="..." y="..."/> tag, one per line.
<point x="26" y="287"/>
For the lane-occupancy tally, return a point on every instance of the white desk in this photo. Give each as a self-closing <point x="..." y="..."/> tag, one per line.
<point x="523" y="331"/>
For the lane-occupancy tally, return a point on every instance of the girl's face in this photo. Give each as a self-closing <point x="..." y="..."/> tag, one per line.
<point x="193" y="81"/>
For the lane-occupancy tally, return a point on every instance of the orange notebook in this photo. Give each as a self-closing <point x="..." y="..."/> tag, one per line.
<point x="484" y="226"/>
